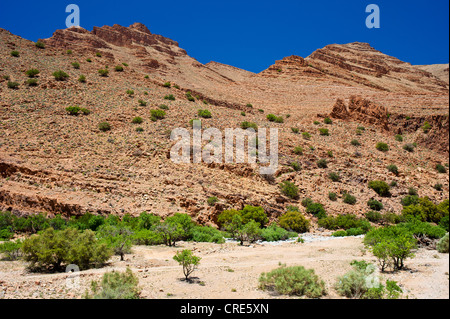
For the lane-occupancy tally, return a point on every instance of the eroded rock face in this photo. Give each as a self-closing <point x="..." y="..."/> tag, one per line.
<point x="361" y="110"/>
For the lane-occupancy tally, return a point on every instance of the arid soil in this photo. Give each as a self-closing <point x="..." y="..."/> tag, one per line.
<point x="230" y="271"/>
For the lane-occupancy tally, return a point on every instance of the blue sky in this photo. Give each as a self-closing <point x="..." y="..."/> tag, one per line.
<point x="252" y="34"/>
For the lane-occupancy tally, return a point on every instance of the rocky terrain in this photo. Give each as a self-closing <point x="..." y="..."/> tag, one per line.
<point x="53" y="162"/>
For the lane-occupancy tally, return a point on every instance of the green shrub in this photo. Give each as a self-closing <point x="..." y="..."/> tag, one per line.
<point x="425" y="210"/>
<point x="137" y="120"/>
<point x="163" y="107"/>
<point x="332" y="196"/>
<point x="375" y="205"/>
<point x="324" y="131"/>
<point x="293" y="281"/>
<point x="118" y="238"/>
<point x="349" y="199"/>
<point x="142" y="103"/>
<point x="212" y="200"/>
<point x="317" y="210"/>
<point x="12" y="85"/>
<point x="60" y="75"/>
<point x="204" y="114"/>
<point x="438" y="186"/>
<point x="294" y="221"/>
<point x="391" y="245"/>
<point x="423" y="229"/>
<point x="346" y="222"/>
<point x="226" y="217"/>
<point x="246" y="125"/>
<point x="188" y="260"/>
<point x="167" y="84"/>
<point x="383" y="147"/>
<point x="15" y="54"/>
<point x="306" y="135"/>
<point x="334" y="176"/>
<point x="307" y="201"/>
<point x="5" y="234"/>
<point x="31" y="73"/>
<point x="444" y="223"/>
<point x="157" y="115"/>
<point x="409" y="147"/>
<point x="328" y="121"/>
<point x="275" y="233"/>
<point x="169" y="97"/>
<point x="207" y="234"/>
<point x="298" y="150"/>
<point x="40" y="45"/>
<point x="354" y="284"/>
<point x="82" y="79"/>
<point x="12" y="249"/>
<point x="380" y="187"/>
<point x="52" y="250"/>
<point x="32" y="82"/>
<point x="115" y="285"/>
<point x="355" y="143"/>
<point x="289" y="189"/>
<point x="89" y="60"/>
<point x="399" y="138"/>
<point x="147" y="237"/>
<point x="104" y="126"/>
<point x="249" y="105"/>
<point x="322" y="163"/>
<point x="410" y="200"/>
<point x="76" y="65"/>
<point x="256" y="214"/>
<point x="190" y="98"/>
<point x="426" y="127"/>
<point x="98" y="54"/>
<point x="340" y="233"/>
<point x="73" y="110"/>
<point x="442" y="245"/>
<point x="393" y="169"/>
<point x="374" y="216"/>
<point x="295" y="130"/>
<point x="118" y="68"/>
<point x="441" y="169"/>
<point x="103" y="72"/>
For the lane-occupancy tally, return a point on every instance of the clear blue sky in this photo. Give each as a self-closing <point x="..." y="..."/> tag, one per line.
<point x="252" y="34"/>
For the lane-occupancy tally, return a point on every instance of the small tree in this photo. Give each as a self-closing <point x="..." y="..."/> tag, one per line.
<point x="188" y="260"/>
<point x="118" y="238"/>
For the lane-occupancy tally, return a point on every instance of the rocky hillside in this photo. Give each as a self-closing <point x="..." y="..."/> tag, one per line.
<point x="55" y="162"/>
<point x="441" y="71"/>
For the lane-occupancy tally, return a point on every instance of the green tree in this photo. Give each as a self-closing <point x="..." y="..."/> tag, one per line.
<point x="188" y="260"/>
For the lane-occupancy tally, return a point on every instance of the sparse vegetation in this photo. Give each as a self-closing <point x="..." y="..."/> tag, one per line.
<point x="289" y="189"/>
<point x="31" y="73"/>
<point x="115" y="285"/>
<point x="60" y="75"/>
<point x="380" y="187"/>
<point x="104" y="127"/>
<point x="169" y="97"/>
<point x="382" y="147"/>
<point x="103" y="72"/>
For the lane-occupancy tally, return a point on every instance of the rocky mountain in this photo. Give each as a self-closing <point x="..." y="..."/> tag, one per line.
<point x="357" y="64"/>
<point x="55" y="162"/>
<point x="441" y="71"/>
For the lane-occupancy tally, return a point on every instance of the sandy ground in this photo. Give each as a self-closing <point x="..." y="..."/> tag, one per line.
<point x="229" y="271"/>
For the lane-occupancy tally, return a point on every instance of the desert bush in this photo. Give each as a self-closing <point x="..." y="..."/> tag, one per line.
<point x="115" y="285"/>
<point x="118" y="238"/>
<point x="324" y="131"/>
<point x="207" y="234"/>
<point x="345" y="222"/>
<point x="298" y="150"/>
<point x="317" y="210"/>
<point x="188" y="260"/>
<point x="438" y="186"/>
<point x="189" y="97"/>
<point x="76" y="65"/>
<point x="104" y="126"/>
<point x="32" y="82"/>
<point x="254" y="213"/>
<point x="425" y="210"/>
<point x="307" y="201"/>
<point x="204" y="114"/>
<point x="334" y="176"/>
<point x="410" y="200"/>
<point x="6" y="234"/>
<point x="442" y="245"/>
<point x="332" y="196"/>
<point x="295" y="130"/>
<point x="12" y="85"/>
<point x="276" y="233"/>
<point x="426" y="127"/>
<point x="327" y="120"/>
<point x="289" y="189"/>
<point x="73" y="110"/>
<point x="15" y="54"/>
<point x="409" y="147"/>
<point x="249" y="105"/>
<point x="393" y="218"/>
<point x="393" y="169"/>
<point x="98" y="54"/>
<point x="349" y="199"/>
<point x="226" y="217"/>
<point x="375" y="205"/>
<point x="167" y="84"/>
<point x="374" y="216"/>
<point x="82" y="79"/>
<point x="441" y="169"/>
<point x="60" y="75"/>
<point x="399" y="138"/>
<point x="163" y="107"/>
<point x="391" y="245"/>
<point x="380" y="187"/>
<point x="12" y="249"/>
<point x="444" y="223"/>
<point x="383" y="147"/>
<point x="355" y="143"/>
<point x="147" y="237"/>
<point x="306" y="135"/>
<point x="169" y="97"/>
<point x="245" y="125"/>
<point x="40" y="45"/>
<point x="322" y="163"/>
<point x="31" y="73"/>
<point x="423" y="229"/>
<point x="157" y="115"/>
<point x="137" y="120"/>
<point x="103" y="72"/>
<point x="212" y="200"/>
<point x="89" y="60"/>
<point x="294" y="221"/>
<point x="354" y="283"/>
<point x="293" y="281"/>
<point x="52" y="249"/>
<point x="118" y="68"/>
